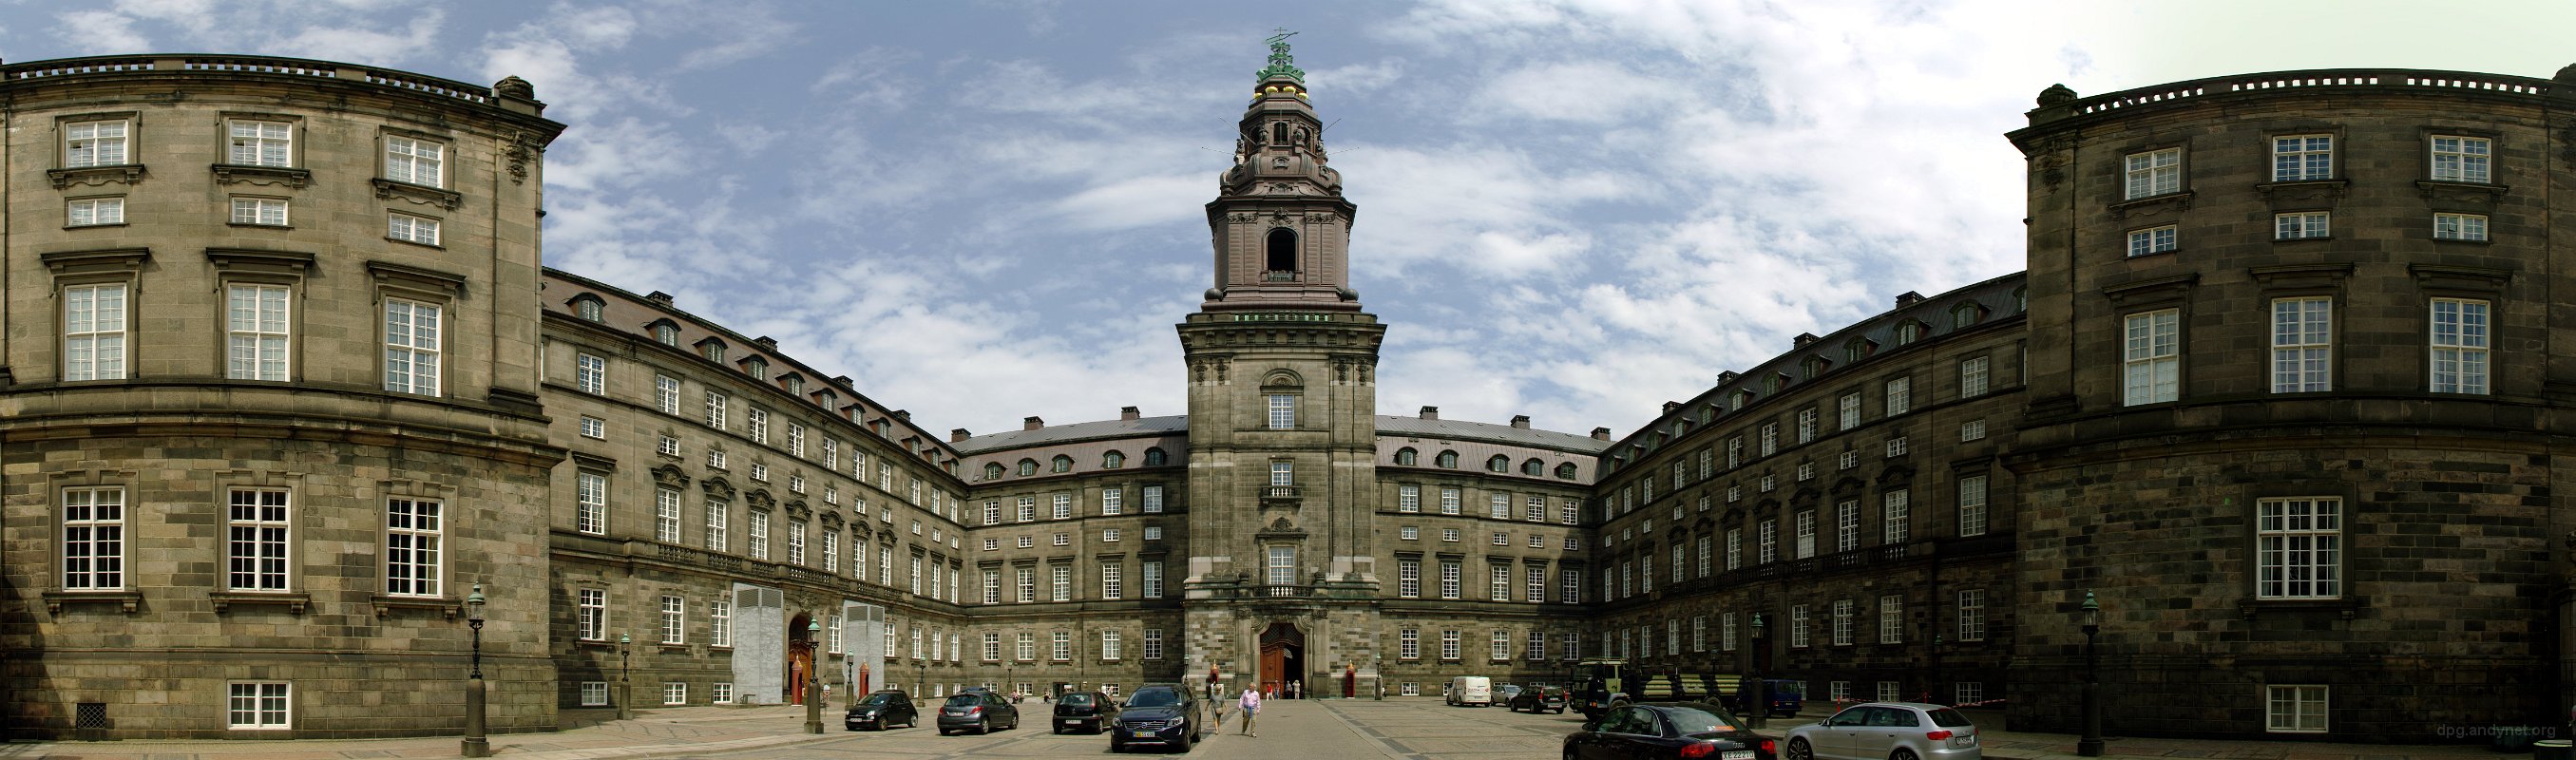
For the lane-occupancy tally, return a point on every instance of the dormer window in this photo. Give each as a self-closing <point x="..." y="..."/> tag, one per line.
<point x="1858" y="349"/>
<point x="1028" y="467"/>
<point x="712" y="349"/>
<point x="1113" y="460"/>
<point x="1908" y="332"/>
<point x="1774" y="383"/>
<point x="993" y="471"/>
<point x="589" y="307"/>
<point x="1499" y="463"/>
<point x="1815" y="367"/>
<point x="666" y="333"/>
<point x="1061" y="463"/>
<point x="1966" y="314"/>
<point x="1407" y="457"/>
<point x="1565" y="471"/>
<point x="1154" y="457"/>
<point x="756" y="367"/>
<point x="1742" y="399"/>
<point x="1448" y="460"/>
<point x="1533" y="468"/>
<point x="795" y="383"/>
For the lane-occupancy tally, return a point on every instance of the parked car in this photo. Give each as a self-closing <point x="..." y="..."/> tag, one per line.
<point x="881" y="710"/>
<point x="1471" y="690"/>
<point x="1503" y="692"/>
<point x="1784" y="694"/>
<point x="1089" y="711"/>
<point x="1900" y="730"/>
<point x="978" y="711"/>
<point x="1539" y="699"/>
<point x="1668" y="730"/>
<point x="1156" y="714"/>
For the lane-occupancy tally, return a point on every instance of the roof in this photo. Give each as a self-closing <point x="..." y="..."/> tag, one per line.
<point x="1486" y="431"/>
<point x="1179" y="424"/>
<point x="1080" y="431"/>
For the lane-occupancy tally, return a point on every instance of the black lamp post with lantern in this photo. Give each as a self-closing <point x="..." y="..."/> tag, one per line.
<point x="1758" y="704"/>
<point x="476" y="744"/>
<point x="625" y="685"/>
<point x="2090" y="745"/>
<point x="813" y="681"/>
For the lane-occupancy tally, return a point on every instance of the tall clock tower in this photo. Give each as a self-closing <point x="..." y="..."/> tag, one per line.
<point x="1283" y="398"/>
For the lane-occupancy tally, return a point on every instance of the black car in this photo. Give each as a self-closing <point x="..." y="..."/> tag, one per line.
<point x="1089" y="711"/>
<point x="1156" y="714"/>
<point x="1668" y="730"/>
<point x="979" y="711"/>
<point x="1539" y="699"/>
<point x="881" y="710"/>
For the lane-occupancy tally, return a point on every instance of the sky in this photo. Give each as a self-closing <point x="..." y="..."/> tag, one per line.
<point x="1572" y="209"/>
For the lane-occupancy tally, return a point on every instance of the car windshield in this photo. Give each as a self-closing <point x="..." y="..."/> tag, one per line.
<point x="878" y="699"/>
<point x="1154" y="698"/>
<point x="1077" y="699"/>
<point x="965" y="700"/>
<point x="1702" y="719"/>
<point x="1950" y="718"/>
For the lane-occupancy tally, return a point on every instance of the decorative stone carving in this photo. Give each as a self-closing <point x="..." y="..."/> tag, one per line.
<point x="520" y="148"/>
<point x="420" y="194"/>
<point x="95" y="175"/>
<point x="717" y="488"/>
<point x="759" y="498"/>
<point x="514" y="87"/>
<point x="2056" y="95"/>
<point x="670" y="476"/>
<point x="226" y="174"/>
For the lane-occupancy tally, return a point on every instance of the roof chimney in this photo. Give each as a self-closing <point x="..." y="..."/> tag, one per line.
<point x="959" y="435"/>
<point x="841" y="380"/>
<point x="1803" y="340"/>
<point x="1669" y="406"/>
<point x="1908" y="298"/>
<point x="1520" y="421"/>
<point x="902" y="414"/>
<point x="1129" y="413"/>
<point x="1728" y="376"/>
<point x="766" y="342"/>
<point x="659" y="297"/>
<point x="1431" y="412"/>
<point x="1031" y="423"/>
<point x="1601" y="434"/>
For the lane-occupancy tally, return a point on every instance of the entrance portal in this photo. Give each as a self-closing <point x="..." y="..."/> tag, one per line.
<point x="1283" y="658"/>
<point x="800" y="658"/>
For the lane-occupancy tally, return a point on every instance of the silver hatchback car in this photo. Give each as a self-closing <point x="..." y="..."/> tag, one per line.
<point x="1887" y="731"/>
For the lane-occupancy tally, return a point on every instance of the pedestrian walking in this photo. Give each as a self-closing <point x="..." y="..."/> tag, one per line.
<point x="1251" y="705"/>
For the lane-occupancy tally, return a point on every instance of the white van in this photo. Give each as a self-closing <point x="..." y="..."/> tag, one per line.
<point x="1471" y="690"/>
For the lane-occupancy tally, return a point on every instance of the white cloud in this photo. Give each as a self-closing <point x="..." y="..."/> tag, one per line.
<point x="102" y="32"/>
<point x="1136" y="202"/>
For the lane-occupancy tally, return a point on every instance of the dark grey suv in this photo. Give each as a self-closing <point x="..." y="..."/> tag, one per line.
<point x="1161" y="714"/>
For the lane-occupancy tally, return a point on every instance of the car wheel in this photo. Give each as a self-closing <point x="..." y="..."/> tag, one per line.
<point x="1057" y="729"/>
<point x="1902" y="753"/>
<point x="983" y="726"/>
<point x="1799" y="750"/>
<point x="1183" y="746"/>
<point x="1117" y="746"/>
<point x="1560" y="711"/>
<point x="1569" y="754"/>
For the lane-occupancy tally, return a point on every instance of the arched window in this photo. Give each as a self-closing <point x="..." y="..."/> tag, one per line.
<point x="1565" y="471"/>
<point x="666" y="333"/>
<point x="1966" y="314"/>
<point x="1282" y="247"/>
<point x="713" y="349"/>
<point x="1407" y="457"/>
<point x="1533" y="468"/>
<point x="1112" y="460"/>
<point x="993" y="471"/>
<point x="1154" y="457"/>
<point x="1279" y="133"/>
<point x="1062" y="463"/>
<point x="1447" y="460"/>
<point x="589" y="307"/>
<point x="1909" y="332"/>
<point x="756" y="367"/>
<point x="1858" y="349"/>
<point x="795" y="383"/>
<point x="1028" y="467"/>
<point x="1742" y="398"/>
<point x="2021" y="300"/>
<point x="1816" y="366"/>
<point x="1499" y="463"/>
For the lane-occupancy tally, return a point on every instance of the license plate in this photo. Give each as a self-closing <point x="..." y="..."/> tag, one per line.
<point x="1737" y="754"/>
<point x="1144" y="734"/>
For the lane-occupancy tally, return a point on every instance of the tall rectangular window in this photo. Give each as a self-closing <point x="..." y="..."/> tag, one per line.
<point x="1537" y="590"/>
<point x="1501" y="646"/>
<point x="94" y="332"/>
<point x="2152" y="357"/>
<point x="756" y="424"/>
<point x="1798" y="625"/>
<point x="2459" y="346"/>
<point x="666" y="515"/>
<point x="993" y="586"/>
<point x="1063" y="646"/>
<point x="260" y="211"/>
<point x="590" y="373"/>
<point x="2295" y="709"/>
<point x="2459" y="227"/>
<point x="592" y="622"/>
<point x="2303" y="225"/>
<point x="413" y="161"/>
<point x="796" y="550"/>
<point x="85" y="212"/>
<point x="94" y="143"/>
<point x="759" y="538"/>
<point x="1897" y="518"/>
<point x="1972" y="614"/>
<point x="1704" y="541"/>
<point x="1806" y="428"/>
<point x="716" y="403"/>
<point x="1283" y="473"/>
<point x="1734" y="548"/>
<point x="1028" y="585"/>
<point x="1063" y="506"/>
<point x="1770" y="438"/>
<point x="93" y="554"/>
<point x="1806" y="535"/>
<point x="1847" y="525"/>
<point x="1062" y="588"/>
<point x="1891" y="619"/>
<point x="257" y="539"/>
<point x="1770" y="541"/>
<point x="2461" y="159"/>
<point x="1282" y="565"/>
<point x="1283" y="412"/>
<point x="2302" y="345"/>
<point x="2302" y="157"/>
<point x="1153" y="578"/>
<point x="1499" y="506"/>
<point x="717" y="540"/>
<point x="1972" y="377"/>
<point x="412" y="229"/>
<point x="2153" y="240"/>
<point x="1153" y="500"/>
<point x="1408" y="578"/>
<point x="1153" y="643"/>
<point x="1569" y="587"/>
<point x="1972" y="505"/>
<point x="1900" y="396"/>
<point x="674" y="620"/>
<point x="411" y="347"/>
<point x="1111" y="648"/>
<point x="1448" y="501"/>
<point x="1113" y="581"/>
<point x="1847" y="410"/>
<point x="258" y="706"/>
<point x="832" y="551"/>
<point x="1408" y="644"/>
<point x="1449" y="645"/>
<point x="412" y="547"/>
<point x="1448" y="580"/>
<point x="590" y="497"/>
<point x="2154" y="173"/>
<point x="2299" y="548"/>
<point x="1499" y="583"/>
<point x="1843" y="622"/>
<point x="1113" y="501"/>
<point x="256" y="326"/>
<point x="1025" y="649"/>
<point x="261" y="143"/>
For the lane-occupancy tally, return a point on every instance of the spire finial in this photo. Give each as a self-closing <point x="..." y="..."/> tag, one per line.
<point x="1281" y="64"/>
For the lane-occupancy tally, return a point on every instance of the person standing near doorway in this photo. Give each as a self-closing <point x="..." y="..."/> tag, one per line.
<point x="1251" y="706"/>
<point x="1292" y="689"/>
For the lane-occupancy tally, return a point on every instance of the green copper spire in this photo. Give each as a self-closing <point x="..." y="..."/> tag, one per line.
<point x="1280" y="62"/>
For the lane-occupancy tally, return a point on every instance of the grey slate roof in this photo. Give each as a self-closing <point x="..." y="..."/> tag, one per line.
<point x="1180" y="424"/>
<point x="1078" y="431"/>
<point x="1486" y="431"/>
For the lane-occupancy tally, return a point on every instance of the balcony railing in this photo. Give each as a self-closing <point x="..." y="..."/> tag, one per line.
<point x="1279" y="492"/>
<point x="1279" y="276"/>
<point x="1273" y="591"/>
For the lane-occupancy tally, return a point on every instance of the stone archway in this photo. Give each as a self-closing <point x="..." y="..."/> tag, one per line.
<point x="1283" y="656"/>
<point x="800" y="657"/>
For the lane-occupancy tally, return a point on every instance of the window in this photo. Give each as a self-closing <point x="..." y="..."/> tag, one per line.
<point x="1502" y="646"/>
<point x="257" y="539"/>
<point x="1407" y="457"/>
<point x="590" y="497"/>
<point x="674" y="614"/>
<point x="592" y="623"/>
<point x="1028" y="585"/>
<point x="1283" y="412"/>
<point x="1449" y="534"/>
<point x="1770" y="438"/>
<point x="87" y="212"/>
<point x="1972" y="505"/>
<point x="1498" y="463"/>
<point x="264" y="705"/>
<point x="1972" y="377"/>
<point x="675" y="693"/>
<point x="593" y="427"/>
<point x="2152" y="240"/>
<point x="796" y="550"/>
<point x="1849" y="459"/>
<point x="1063" y="504"/>
<point x="716" y="538"/>
<point x="1725" y="632"/>
<point x="2459" y="227"/>
<point x="2153" y="358"/>
<point x="1408" y="578"/>
<point x="1153" y="533"/>
<point x="1842" y="622"/>
<point x="2461" y="159"/>
<point x="1500" y="583"/>
<point x="1153" y="578"/>
<point x="94" y="143"/>
<point x="1408" y="498"/>
<point x="413" y="161"/>
<point x="1448" y="501"/>
<point x="412" y="547"/>
<point x="1113" y="501"/>
<point x="1900" y="396"/>
<point x="1770" y="541"/>
<point x="1537" y="646"/>
<point x="94" y="539"/>
<point x="2299" y="545"/>
<point x="1890" y="691"/>
<point x="1408" y="644"/>
<point x="759" y="545"/>
<point x="1448" y="580"/>
<point x="2302" y="157"/>
<point x="257" y="329"/>
<point x="1734" y="548"/>
<point x="2459" y="346"/>
<point x="1062" y="588"/>
<point x="1972" y="615"/>
<point x="1806" y="535"/>
<point x="260" y="211"/>
<point x="1110" y="648"/>
<point x="1847" y="526"/>
<point x="1972" y="430"/>
<point x="756" y="424"/>
<point x="1967" y="693"/>
<point x="1448" y="460"/>
<point x="1448" y="645"/>
<point x="412" y="352"/>
<point x="1894" y="515"/>
<point x="2302" y="345"/>
<point x="1113" y="582"/>
<point x="2154" y="173"/>
<point x="590" y="373"/>
<point x="2311" y="224"/>
<point x="1798" y="626"/>
<point x="411" y="229"/>
<point x="1569" y="587"/>
<point x="1569" y="511"/>
<point x="1891" y="619"/>
<point x="1153" y="500"/>
<point x="1063" y="649"/>
<point x="2295" y="709"/>
<point x="1895" y="447"/>
<point x="94" y="333"/>
<point x="669" y="335"/>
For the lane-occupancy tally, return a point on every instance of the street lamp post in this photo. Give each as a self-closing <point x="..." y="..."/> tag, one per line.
<point x="2090" y="745"/>
<point x="813" y="682"/>
<point x="1759" y="706"/>
<point x="475" y="744"/>
<point x="625" y="685"/>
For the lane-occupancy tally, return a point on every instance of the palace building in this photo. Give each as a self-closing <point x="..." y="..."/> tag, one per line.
<point x="2276" y="390"/>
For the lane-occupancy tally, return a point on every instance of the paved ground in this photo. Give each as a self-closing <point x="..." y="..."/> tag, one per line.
<point x="1402" y="729"/>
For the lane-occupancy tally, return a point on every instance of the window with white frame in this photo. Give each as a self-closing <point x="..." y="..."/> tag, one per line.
<point x="1770" y="438"/>
<point x="268" y="212"/>
<point x="1152" y="575"/>
<point x="592" y="621"/>
<point x="1063" y="651"/>
<point x="590" y="498"/>
<point x="2299" y="548"/>
<point x="94" y="332"/>
<point x="716" y="403"/>
<point x="2470" y="227"/>
<point x="1734" y="548"/>
<point x="1972" y="614"/>
<point x="796" y="548"/>
<point x="1847" y="525"/>
<point x="1499" y="585"/>
<point x="1806" y="536"/>
<point x="90" y="212"/>
<point x="1501" y="646"/>
<point x="1806" y="427"/>
<point x="1725" y="632"/>
<point x="666" y="394"/>
<point x="1843" y="612"/>
<point x="2459" y="346"/>
<point x="1063" y="504"/>
<point x="1848" y="460"/>
<point x="756" y="424"/>
<point x="1972" y="377"/>
<point x="1449" y="645"/>
<point x="758" y="537"/>
<point x="2302" y="344"/>
<point x="1972" y="430"/>
<point x="1972" y="505"/>
<point x="1113" y="581"/>
<point x="1408" y="578"/>
<point x="266" y="705"/>
<point x="1111" y="647"/>
<point x="1028" y="585"/>
<point x="1113" y="501"/>
<point x="2152" y="357"/>
<point x="257" y="539"/>
<point x="411" y="229"/>
<point x="1897" y="517"/>
<point x="1704" y="543"/>
<point x="1283" y="411"/>
<point x="721" y="693"/>
<point x="593" y="427"/>
<point x="413" y="349"/>
<point x="1569" y="587"/>
<point x="590" y="373"/>
<point x="1900" y="396"/>
<point x="93" y="553"/>
<point x="414" y="161"/>
<point x="1449" y="571"/>
<point x="1798" y="626"/>
<point x="1891" y="619"/>
<point x="256" y="328"/>
<point x="2299" y="158"/>
<point x="1895" y="447"/>
<point x="1408" y="644"/>
<point x="1061" y="590"/>
<point x="413" y="547"/>
<point x="674" y="620"/>
<point x="675" y="693"/>
<point x="1448" y="501"/>
<point x="2297" y="709"/>
<point x="2153" y="240"/>
<point x="1770" y="541"/>
<point x="2462" y="159"/>
<point x="717" y="517"/>
<point x="1153" y="533"/>
<point x="94" y="143"/>
<point x="1449" y="535"/>
<point x="1967" y="693"/>
<point x="2154" y="173"/>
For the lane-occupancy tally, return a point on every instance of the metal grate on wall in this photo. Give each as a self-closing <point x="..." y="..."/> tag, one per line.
<point x="90" y="715"/>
